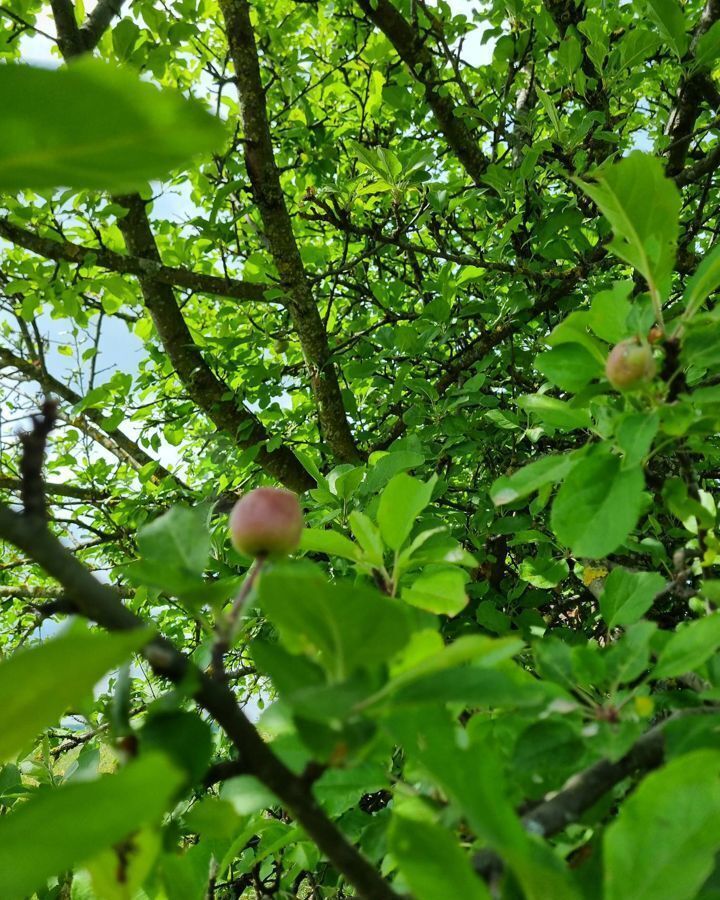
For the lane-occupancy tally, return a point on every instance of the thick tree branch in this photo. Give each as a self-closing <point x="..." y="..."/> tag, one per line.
<point x="211" y="394"/>
<point x="68" y="33"/>
<point x="102" y="604"/>
<point x="690" y="95"/>
<point x="412" y="49"/>
<point x="268" y="194"/>
<point x="704" y="166"/>
<point x="585" y="789"/>
<point x="484" y="343"/>
<point x="88" y="494"/>
<point x="98" y="21"/>
<point x="44" y="592"/>
<point x="34" y="441"/>
<point x="91" y="257"/>
<point x="75" y="40"/>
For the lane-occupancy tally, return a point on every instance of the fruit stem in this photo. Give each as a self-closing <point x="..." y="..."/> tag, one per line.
<point x="227" y="628"/>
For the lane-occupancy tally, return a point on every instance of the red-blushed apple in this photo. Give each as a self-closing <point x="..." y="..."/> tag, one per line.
<point x="266" y="522"/>
<point x="630" y="365"/>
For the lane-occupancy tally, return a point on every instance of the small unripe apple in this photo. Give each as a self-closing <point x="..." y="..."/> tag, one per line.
<point x="266" y="522"/>
<point x="630" y="365"/>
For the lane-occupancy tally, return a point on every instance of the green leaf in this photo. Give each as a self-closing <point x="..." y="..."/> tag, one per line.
<point x="348" y="626"/>
<point x="681" y="504"/>
<point x="707" y="49"/>
<point x="551" y="111"/>
<point x="597" y="506"/>
<point x="185" y="875"/>
<point x="320" y="540"/>
<point x="385" y="465"/>
<point x="548" y="470"/>
<point x="343" y="481"/>
<point x="545" y="755"/>
<point x="179" y="539"/>
<point x="701" y="343"/>
<point x="574" y="330"/>
<point x="401" y="503"/>
<point x="110" y="881"/>
<point x="485" y="652"/>
<point x="182" y="736"/>
<point x="555" y="413"/>
<point x="505" y="687"/>
<point x="627" y="658"/>
<point x="38" y="685"/>
<point x="609" y="312"/>
<point x="441" y="592"/>
<point x="690" y="646"/>
<point x="569" y="366"/>
<point x="340" y="789"/>
<point x="64" y="826"/>
<point x="543" y="572"/>
<point x="368" y="536"/>
<point x="429" y="735"/>
<point x="704" y="281"/>
<point x="642" y="206"/>
<point x="432" y="862"/>
<point x="663" y="844"/>
<point x="627" y="596"/>
<point x="91" y="125"/>
<point x="670" y="19"/>
<point x="247" y="794"/>
<point x="637" y="45"/>
<point x="635" y="434"/>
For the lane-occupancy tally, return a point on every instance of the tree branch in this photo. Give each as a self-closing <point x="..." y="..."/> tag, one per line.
<point x="268" y="194"/>
<point x="90" y="495"/>
<point x="32" y="488"/>
<point x="112" y="438"/>
<point x="90" y="257"/>
<point x="101" y="603"/>
<point x="209" y="392"/>
<point x="411" y="48"/>
<point x="98" y="21"/>
<point x="585" y="789"/>
<point x="692" y="91"/>
<point x="212" y="395"/>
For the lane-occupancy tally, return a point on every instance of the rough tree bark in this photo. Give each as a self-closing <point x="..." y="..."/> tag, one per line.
<point x="268" y="194"/>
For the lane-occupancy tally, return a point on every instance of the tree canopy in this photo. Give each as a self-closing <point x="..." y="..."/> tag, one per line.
<point x="448" y="273"/>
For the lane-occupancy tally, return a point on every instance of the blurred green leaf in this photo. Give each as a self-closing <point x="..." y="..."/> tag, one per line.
<point x="434" y="865"/>
<point x="663" y="844"/>
<point x="401" y="503"/>
<point x="689" y="647"/>
<point x="348" y="627"/>
<point x="67" y="825"/>
<point x="91" y="125"/>
<point x="39" y="684"/>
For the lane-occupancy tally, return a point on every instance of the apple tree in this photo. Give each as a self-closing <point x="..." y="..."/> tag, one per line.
<point x="360" y="371"/>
